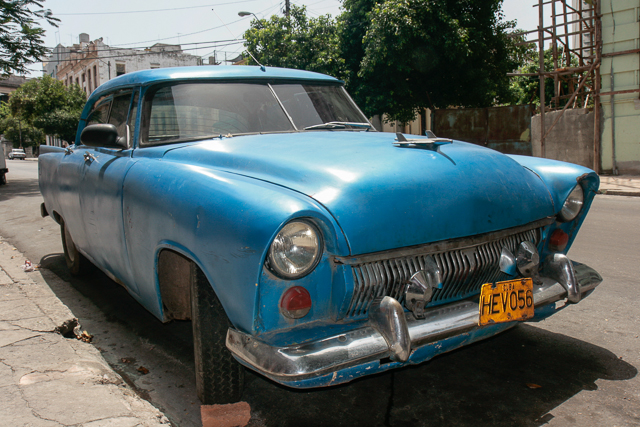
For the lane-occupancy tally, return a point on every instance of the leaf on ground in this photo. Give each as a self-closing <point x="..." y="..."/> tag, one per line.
<point x="85" y="336"/>
<point x="533" y="386"/>
<point x="143" y="370"/>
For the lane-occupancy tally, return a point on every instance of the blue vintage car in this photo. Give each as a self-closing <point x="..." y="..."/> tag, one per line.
<point x="261" y="204"/>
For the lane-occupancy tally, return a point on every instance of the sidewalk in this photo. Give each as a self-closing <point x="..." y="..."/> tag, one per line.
<point x="622" y="185"/>
<point x="49" y="380"/>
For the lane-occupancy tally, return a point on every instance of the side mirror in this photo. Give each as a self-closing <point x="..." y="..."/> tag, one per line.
<point x="102" y="135"/>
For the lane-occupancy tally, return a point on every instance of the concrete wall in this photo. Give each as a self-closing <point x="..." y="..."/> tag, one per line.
<point x="621" y="124"/>
<point x="570" y="140"/>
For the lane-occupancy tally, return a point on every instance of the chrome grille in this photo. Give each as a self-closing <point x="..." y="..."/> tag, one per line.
<point x="464" y="268"/>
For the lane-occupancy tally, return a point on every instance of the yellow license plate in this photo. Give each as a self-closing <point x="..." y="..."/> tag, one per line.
<point x="506" y="301"/>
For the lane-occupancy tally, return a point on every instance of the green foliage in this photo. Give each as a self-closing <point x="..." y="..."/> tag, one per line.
<point x="405" y="55"/>
<point x="21" y="36"/>
<point x="296" y="42"/>
<point x="21" y="133"/>
<point x="46" y="105"/>
<point x="526" y="89"/>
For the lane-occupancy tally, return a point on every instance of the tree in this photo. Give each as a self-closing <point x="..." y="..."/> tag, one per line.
<point x="48" y="106"/>
<point x="406" y="55"/>
<point x="21" y="40"/>
<point x="17" y="131"/>
<point x="526" y="89"/>
<point x="296" y="41"/>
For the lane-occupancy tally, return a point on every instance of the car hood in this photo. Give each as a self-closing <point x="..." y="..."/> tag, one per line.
<point x="384" y="196"/>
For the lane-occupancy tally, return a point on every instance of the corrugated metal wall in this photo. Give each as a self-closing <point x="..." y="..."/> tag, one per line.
<point x="506" y="129"/>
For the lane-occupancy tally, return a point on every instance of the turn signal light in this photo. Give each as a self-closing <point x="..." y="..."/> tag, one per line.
<point x="295" y="302"/>
<point x="558" y="240"/>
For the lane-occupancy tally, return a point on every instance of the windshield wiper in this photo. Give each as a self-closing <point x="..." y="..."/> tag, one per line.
<point x="339" y="125"/>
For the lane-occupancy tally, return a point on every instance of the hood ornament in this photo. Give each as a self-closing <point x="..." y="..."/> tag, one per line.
<point x="432" y="143"/>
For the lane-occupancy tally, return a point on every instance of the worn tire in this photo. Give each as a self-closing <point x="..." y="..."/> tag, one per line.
<point x="219" y="377"/>
<point x="77" y="263"/>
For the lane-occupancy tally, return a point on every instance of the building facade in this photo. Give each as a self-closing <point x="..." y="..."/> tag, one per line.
<point x="91" y="63"/>
<point x="8" y="85"/>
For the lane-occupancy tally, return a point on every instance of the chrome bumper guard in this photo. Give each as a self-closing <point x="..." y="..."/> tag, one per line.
<point x="392" y="333"/>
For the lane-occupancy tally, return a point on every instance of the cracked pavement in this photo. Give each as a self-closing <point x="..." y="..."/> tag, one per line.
<point x="47" y="379"/>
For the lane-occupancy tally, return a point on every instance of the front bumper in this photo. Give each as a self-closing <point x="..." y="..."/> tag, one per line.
<point x="381" y="344"/>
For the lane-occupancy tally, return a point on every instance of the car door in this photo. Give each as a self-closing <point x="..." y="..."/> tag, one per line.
<point x="101" y="189"/>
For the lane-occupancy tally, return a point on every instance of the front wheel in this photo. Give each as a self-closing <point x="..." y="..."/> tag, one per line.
<point x="77" y="263"/>
<point x="219" y="377"/>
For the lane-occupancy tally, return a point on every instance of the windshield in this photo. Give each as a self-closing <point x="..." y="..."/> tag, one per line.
<point x="192" y="111"/>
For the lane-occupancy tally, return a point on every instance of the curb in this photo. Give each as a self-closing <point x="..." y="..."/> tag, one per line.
<point x="45" y="378"/>
<point x="620" y="193"/>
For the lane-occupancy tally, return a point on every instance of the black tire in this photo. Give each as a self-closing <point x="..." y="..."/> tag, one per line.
<point x="77" y="263"/>
<point x="3" y="178"/>
<point x="219" y="377"/>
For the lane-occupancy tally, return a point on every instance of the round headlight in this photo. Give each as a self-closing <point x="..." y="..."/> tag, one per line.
<point x="573" y="205"/>
<point x="295" y="251"/>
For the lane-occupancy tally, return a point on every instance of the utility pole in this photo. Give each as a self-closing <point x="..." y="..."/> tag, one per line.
<point x="286" y="9"/>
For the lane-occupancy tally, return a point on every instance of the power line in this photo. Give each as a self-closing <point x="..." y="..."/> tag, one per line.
<point x="181" y="35"/>
<point x="112" y="48"/>
<point x="151" y="10"/>
<point x="201" y="31"/>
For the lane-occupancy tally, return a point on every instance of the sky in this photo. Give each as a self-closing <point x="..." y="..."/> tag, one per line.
<point x="202" y="27"/>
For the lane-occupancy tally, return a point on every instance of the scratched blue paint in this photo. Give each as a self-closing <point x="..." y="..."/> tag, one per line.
<point x="220" y="202"/>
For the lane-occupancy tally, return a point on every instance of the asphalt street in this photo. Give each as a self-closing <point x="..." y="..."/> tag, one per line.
<point x="579" y="367"/>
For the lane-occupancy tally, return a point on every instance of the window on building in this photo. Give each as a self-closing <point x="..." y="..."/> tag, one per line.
<point x="89" y="79"/>
<point x="84" y="78"/>
<point x="120" y="70"/>
<point x="95" y="77"/>
<point x="78" y="81"/>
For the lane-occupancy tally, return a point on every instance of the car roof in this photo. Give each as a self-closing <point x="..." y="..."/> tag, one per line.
<point x="210" y="72"/>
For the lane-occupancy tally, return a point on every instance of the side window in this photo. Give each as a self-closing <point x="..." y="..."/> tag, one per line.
<point x="100" y="111"/>
<point x="120" y="112"/>
<point x="132" y="116"/>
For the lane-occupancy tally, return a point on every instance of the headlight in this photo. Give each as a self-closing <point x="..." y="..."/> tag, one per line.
<point x="295" y="251"/>
<point x="573" y="205"/>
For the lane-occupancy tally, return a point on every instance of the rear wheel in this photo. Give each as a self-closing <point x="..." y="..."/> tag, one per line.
<point x="77" y="263"/>
<point x="3" y="178"/>
<point x="219" y="377"/>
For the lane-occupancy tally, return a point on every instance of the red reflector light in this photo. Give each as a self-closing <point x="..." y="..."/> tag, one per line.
<point x="558" y="240"/>
<point x="295" y="302"/>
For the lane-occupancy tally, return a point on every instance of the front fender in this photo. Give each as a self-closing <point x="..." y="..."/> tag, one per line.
<point x="222" y="221"/>
<point x="560" y="179"/>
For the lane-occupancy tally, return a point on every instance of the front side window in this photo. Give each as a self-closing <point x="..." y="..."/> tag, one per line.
<point x="120" y="112"/>
<point x="100" y="112"/>
<point x="112" y="109"/>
